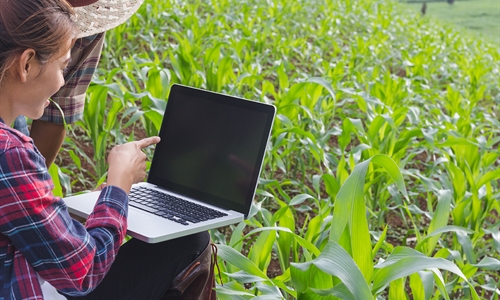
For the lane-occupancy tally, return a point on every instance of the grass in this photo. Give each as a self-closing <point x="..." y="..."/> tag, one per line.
<point x="475" y="17"/>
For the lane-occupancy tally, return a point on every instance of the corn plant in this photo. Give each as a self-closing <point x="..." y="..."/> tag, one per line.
<point x="368" y="96"/>
<point x="343" y="266"/>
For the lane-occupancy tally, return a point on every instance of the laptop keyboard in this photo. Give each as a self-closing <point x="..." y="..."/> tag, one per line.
<point x="171" y="207"/>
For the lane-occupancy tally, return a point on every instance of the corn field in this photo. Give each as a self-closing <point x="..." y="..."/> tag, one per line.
<point x="382" y="175"/>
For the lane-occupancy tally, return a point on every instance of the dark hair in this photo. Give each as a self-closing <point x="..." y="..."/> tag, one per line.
<point x="42" y="25"/>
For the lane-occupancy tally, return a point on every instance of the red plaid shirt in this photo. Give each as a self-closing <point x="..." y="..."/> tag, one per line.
<point x="37" y="235"/>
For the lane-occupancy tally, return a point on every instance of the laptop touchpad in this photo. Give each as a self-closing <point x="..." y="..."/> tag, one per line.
<point x="136" y="214"/>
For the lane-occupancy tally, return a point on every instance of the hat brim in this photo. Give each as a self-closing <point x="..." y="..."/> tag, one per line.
<point x="103" y="15"/>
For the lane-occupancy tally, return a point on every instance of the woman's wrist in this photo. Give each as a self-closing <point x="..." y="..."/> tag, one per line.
<point x="120" y="181"/>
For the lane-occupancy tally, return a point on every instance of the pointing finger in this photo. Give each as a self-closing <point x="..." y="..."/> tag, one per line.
<point x="148" y="141"/>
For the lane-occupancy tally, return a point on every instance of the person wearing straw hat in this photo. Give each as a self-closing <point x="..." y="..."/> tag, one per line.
<point x="44" y="253"/>
<point x="93" y="18"/>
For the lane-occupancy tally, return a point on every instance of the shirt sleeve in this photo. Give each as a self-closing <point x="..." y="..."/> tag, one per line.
<point x="72" y="257"/>
<point x="68" y="102"/>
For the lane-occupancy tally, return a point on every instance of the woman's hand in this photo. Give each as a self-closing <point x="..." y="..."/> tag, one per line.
<point x="127" y="163"/>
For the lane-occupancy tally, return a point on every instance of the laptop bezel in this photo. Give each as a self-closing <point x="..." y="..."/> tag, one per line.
<point x="177" y="93"/>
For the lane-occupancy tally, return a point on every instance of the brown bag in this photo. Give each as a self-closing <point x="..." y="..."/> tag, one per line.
<point x="196" y="281"/>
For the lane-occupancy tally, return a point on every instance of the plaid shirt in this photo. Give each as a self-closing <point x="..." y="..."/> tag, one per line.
<point x="38" y="238"/>
<point x="85" y="56"/>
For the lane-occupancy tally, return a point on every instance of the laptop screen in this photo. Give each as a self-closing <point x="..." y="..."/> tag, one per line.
<point x="212" y="147"/>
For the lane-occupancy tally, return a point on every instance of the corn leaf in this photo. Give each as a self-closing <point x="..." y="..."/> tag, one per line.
<point x="406" y="261"/>
<point x="334" y="260"/>
<point x="488" y="263"/>
<point x="350" y="212"/>
<point x="241" y="262"/>
<point x="439" y="218"/>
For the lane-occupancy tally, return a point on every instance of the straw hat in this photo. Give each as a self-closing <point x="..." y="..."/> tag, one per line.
<point x="95" y="16"/>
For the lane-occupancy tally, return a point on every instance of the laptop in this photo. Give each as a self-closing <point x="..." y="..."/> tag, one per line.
<point x="210" y="155"/>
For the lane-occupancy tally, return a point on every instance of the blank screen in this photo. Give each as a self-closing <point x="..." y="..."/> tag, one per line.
<point x="211" y="149"/>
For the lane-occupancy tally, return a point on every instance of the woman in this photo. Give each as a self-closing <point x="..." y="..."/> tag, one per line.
<point x="40" y="245"/>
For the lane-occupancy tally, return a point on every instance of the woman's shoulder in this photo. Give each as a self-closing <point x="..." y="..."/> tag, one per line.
<point x="12" y="138"/>
<point x="18" y="153"/>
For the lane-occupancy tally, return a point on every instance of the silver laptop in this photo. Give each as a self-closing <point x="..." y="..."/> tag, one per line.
<point x="211" y="153"/>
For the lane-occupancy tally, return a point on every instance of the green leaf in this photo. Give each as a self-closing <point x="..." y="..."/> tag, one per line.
<point x="406" y="261"/>
<point x="299" y="199"/>
<point x="260" y="253"/>
<point x="449" y="228"/>
<point x="155" y="117"/>
<point x="467" y="246"/>
<point x="331" y="184"/>
<point x="339" y="291"/>
<point x="397" y="289"/>
<point x="393" y="170"/>
<point x="380" y="241"/>
<point x="327" y="85"/>
<point x="237" y="259"/>
<point x="285" y="239"/>
<point x="303" y="242"/>
<point x="417" y="286"/>
<point x="439" y="218"/>
<point x="111" y="118"/>
<point x="350" y="204"/>
<point x="488" y="263"/>
<point x="76" y="160"/>
<point x="334" y="260"/>
<point x="307" y="281"/>
<point x="244" y="277"/>
<point x="495" y="234"/>
<point x="350" y="212"/>
<point x="282" y="77"/>
<point x="54" y="173"/>
<point x="489" y="176"/>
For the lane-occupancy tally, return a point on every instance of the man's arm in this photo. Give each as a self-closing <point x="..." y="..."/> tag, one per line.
<point x="49" y="147"/>
<point x="49" y="132"/>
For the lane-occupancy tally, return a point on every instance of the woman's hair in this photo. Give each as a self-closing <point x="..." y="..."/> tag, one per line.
<point x="42" y="25"/>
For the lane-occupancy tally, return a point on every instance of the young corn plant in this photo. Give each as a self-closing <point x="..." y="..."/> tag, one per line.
<point x="354" y="82"/>
<point x="342" y="265"/>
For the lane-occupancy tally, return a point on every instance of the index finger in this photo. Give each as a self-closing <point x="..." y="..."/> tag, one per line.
<point x="148" y="141"/>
